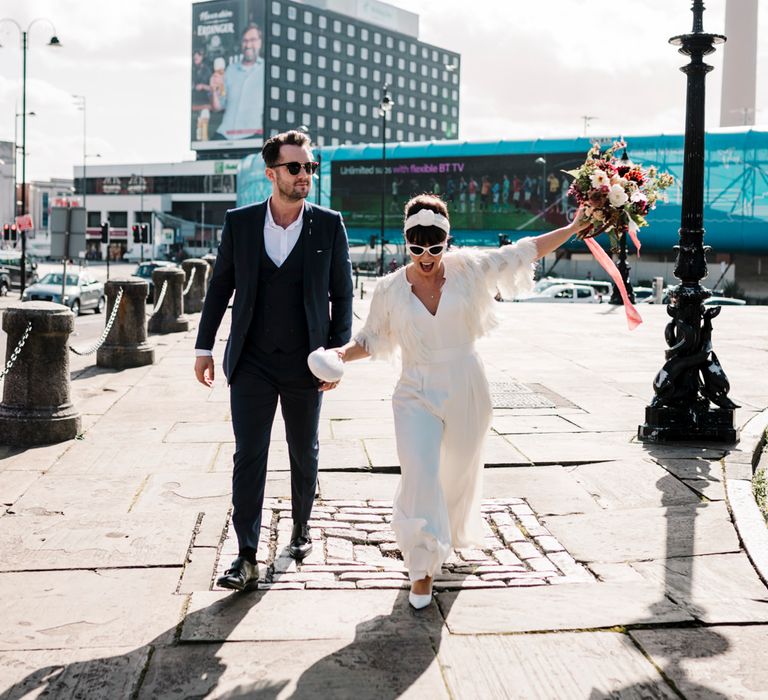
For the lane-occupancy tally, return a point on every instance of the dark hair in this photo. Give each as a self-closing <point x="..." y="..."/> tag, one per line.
<point x="270" y="151"/>
<point x="425" y="235"/>
<point x="253" y="25"/>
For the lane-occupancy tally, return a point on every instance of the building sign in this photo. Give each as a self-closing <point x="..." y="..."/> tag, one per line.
<point x="228" y="70"/>
<point x="482" y="192"/>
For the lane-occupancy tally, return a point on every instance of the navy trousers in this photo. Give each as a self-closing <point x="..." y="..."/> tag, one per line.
<point x="260" y="379"/>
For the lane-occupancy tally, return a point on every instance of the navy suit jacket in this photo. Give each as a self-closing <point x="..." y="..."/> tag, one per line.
<point x="327" y="280"/>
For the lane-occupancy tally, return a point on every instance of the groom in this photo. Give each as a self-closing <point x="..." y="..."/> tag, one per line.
<point x="288" y="263"/>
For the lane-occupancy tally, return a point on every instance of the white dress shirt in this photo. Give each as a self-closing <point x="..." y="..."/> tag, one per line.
<point x="278" y="244"/>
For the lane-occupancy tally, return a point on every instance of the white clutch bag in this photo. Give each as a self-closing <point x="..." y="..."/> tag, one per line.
<point x="326" y="365"/>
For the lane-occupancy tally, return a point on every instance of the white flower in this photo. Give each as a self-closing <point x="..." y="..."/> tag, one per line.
<point x="599" y="178"/>
<point x="638" y="196"/>
<point x="617" y="196"/>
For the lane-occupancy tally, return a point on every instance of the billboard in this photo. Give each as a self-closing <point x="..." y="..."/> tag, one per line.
<point x="227" y="96"/>
<point x="483" y="193"/>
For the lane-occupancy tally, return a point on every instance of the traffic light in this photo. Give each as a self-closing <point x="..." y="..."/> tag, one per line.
<point x="145" y="233"/>
<point x="6" y="232"/>
<point x="14" y="233"/>
<point x="136" y="233"/>
<point x="372" y="242"/>
<point x="105" y="232"/>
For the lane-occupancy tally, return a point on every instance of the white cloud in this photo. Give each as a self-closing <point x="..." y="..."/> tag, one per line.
<point x="529" y="69"/>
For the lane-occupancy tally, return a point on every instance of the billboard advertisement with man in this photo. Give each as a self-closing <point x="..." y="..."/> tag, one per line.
<point x="227" y="103"/>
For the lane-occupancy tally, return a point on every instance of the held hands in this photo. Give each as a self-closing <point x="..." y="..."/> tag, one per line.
<point x="582" y="227"/>
<point x="204" y="370"/>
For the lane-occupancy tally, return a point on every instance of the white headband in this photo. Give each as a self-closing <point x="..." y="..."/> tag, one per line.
<point x="427" y="217"/>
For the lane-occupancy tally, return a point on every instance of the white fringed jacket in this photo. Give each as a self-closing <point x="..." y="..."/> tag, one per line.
<point x="477" y="274"/>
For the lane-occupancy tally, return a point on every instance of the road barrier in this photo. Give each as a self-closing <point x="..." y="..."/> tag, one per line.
<point x="197" y="271"/>
<point x="37" y="408"/>
<point x="126" y="342"/>
<point x="168" y="316"/>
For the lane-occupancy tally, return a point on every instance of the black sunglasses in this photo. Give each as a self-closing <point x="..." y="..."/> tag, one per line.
<point x="294" y="167"/>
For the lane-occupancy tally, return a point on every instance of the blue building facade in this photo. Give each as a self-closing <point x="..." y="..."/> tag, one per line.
<point x="519" y="187"/>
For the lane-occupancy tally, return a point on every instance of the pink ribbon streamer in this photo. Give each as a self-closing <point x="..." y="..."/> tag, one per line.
<point x="632" y="229"/>
<point x="633" y="317"/>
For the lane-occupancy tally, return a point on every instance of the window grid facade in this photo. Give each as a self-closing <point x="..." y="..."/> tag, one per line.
<point x="332" y="65"/>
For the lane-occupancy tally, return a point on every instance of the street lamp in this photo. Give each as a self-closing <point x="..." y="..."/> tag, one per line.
<point x="16" y="149"/>
<point x="54" y="41"/>
<point x="541" y="160"/>
<point x="622" y="267"/>
<point x="692" y="376"/>
<point x="385" y="107"/>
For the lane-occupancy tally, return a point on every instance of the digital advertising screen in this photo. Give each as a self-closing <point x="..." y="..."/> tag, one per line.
<point x="228" y="72"/>
<point x="483" y="193"/>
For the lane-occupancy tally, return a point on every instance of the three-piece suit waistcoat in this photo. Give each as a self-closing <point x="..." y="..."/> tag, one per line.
<point x="279" y="320"/>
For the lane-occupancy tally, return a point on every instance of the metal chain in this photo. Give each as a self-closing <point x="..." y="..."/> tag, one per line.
<point x="189" y="283"/>
<point x="16" y="351"/>
<point x="160" y="299"/>
<point x="93" y="348"/>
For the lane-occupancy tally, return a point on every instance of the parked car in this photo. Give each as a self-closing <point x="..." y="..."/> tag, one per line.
<point x="5" y="281"/>
<point x="601" y="287"/>
<point x="643" y="295"/>
<point x="11" y="261"/>
<point x="724" y="301"/>
<point x="145" y="270"/>
<point x="564" y="293"/>
<point x="80" y="293"/>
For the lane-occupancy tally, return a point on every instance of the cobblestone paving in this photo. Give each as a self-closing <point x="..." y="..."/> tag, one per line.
<point x="355" y="548"/>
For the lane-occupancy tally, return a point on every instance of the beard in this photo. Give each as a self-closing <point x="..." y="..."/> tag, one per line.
<point x="293" y="191"/>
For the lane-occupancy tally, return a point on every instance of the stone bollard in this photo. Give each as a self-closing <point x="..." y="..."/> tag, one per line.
<point x="37" y="406"/>
<point x="126" y="345"/>
<point x="193" y="299"/>
<point x="210" y="258"/>
<point x="168" y="316"/>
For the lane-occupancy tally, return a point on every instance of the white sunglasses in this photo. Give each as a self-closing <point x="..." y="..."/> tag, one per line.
<point x="418" y="250"/>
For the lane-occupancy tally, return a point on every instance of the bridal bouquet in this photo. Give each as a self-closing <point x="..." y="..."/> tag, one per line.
<point x="615" y="194"/>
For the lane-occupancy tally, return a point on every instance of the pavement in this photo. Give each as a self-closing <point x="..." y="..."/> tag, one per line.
<point x="610" y="568"/>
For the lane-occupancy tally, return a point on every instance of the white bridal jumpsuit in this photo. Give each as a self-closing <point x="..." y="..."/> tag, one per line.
<point x="441" y="403"/>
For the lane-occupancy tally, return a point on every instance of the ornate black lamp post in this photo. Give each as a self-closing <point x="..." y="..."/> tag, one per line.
<point x="385" y="107"/>
<point x="692" y="378"/>
<point x="622" y="267"/>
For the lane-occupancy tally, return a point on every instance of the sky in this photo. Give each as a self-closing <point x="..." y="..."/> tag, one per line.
<point x="529" y="70"/>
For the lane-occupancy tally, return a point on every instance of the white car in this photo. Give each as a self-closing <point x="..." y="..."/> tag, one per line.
<point x="600" y="287"/>
<point x="724" y="301"/>
<point x="564" y="293"/>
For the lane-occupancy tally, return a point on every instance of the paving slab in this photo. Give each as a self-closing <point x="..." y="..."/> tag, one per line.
<point x="564" y="449"/>
<point x="71" y="674"/>
<point x="94" y="541"/>
<point x="499" y="450"/>
<point x="549" y="489"/>
<point x="646" y="533"/>
<point x="382" y="452"/>
<point x="184" y="492"/>
<point x="87" y="458"/>
<point x="78" y="494"/>
<point x="361" y="428"/>
<point x="713" y="662"/>
<point x="88" y="609"/>
<point x="538" y="424"/>
<point x="114" y="431"/>
<point x="14" y="484"/>
<point x="367" y="668"/>
<point x="545" y="666"/>
<point x="357" y="487"/>
<point x="640" y="483"/>
<point x="32" y="458"/>
<point x="261" y="616"/>
<point x="716" y="589"/>
<point x="570" y="606"/>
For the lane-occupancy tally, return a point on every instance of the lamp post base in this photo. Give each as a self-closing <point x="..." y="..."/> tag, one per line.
<point x="697" y="423"/>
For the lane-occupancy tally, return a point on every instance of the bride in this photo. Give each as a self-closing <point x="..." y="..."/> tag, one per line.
<point x="433" y="309"/>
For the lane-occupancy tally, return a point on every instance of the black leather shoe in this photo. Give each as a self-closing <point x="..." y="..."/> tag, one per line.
<point x="301" y="542"/>
<point x="240" y="576"/>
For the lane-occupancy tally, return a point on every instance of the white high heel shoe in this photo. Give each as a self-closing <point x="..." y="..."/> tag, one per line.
<point x="420" y="600"/>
